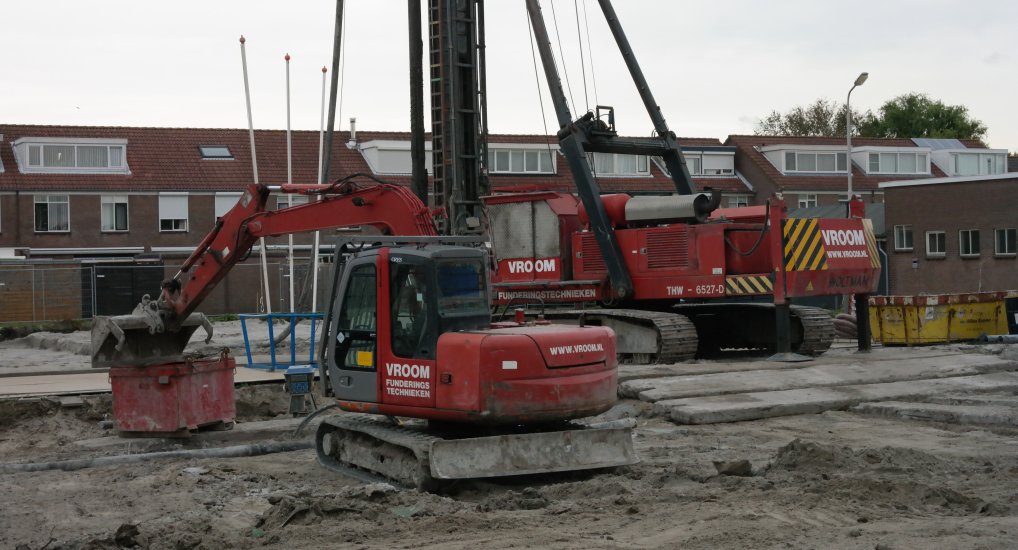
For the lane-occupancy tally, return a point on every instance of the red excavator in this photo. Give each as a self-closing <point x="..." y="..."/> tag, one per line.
<point x="408" y="334"/>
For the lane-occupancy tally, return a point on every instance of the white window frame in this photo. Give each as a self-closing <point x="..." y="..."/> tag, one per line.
<point x="286" y="201"/>
<point x="614" y="173"/>
<point x="694" y="165"/>
<point x="738" y="201"/>
<point x="48" y="200"/>
<point x="34" y="149"/>
<point x="793" y="167"/>
<point x="939" y="253"/>
<point x="965" y="241"/>
<point x="114" y="200"/>
<point x="176" y="228"/>
<point x="900" y="234"/>
<point x="806" y="198"/>
<point x="223" y="202"/>
<point x="523" y="155"/>
<point x="1010" y="245"/>
<point x="922" y="162"/>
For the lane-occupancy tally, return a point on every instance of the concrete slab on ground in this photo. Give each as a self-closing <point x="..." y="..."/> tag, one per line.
<point x="98" y="382"/>
<point x="871" y="370"/>
<point x="977" y="415"/>
<point x="751" y="406"/>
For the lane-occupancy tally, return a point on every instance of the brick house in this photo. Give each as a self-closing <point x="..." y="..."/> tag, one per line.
<point x="102" y="194"/>
<point x="812" y="171"/>
<point x="951" y="235"/>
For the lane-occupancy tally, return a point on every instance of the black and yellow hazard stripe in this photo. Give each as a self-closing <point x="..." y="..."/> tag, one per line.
<point x="871" y="243"/>
<point x="804" y="246"/>
<point x="748" y="284"/>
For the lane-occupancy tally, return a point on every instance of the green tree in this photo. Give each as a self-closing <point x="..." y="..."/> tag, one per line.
<point x="916" y="115"/>
<point x="820" y="118"/>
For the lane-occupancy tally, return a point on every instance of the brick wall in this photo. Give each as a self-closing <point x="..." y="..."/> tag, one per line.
<point x="984" y="205"/>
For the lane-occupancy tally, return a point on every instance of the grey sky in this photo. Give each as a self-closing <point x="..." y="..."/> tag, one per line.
<point x="715" y="67"/>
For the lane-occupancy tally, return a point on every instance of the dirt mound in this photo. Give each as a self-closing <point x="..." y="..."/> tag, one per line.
<point x="363" y="508"/>
<point x="904" y="496"/>
<point x="261" y="402"/>
<point x="529" y="499"/>
<point x="78" y="343"/>
<point x="807" y="456"/>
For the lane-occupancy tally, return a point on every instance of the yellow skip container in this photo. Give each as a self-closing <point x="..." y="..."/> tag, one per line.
<point x="935" y="319"/>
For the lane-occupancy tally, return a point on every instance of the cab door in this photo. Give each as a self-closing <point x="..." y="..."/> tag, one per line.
<point x="353" y="340"/>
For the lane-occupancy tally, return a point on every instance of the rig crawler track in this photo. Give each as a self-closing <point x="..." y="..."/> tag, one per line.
<point x="704" y="330"/>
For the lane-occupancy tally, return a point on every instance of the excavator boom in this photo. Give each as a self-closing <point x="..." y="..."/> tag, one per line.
<point x="158" y="329"/>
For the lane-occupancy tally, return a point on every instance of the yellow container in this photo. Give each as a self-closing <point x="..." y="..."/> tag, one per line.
<point x="916" y="320"/>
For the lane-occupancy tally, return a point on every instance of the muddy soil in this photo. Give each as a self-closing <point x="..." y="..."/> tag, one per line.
<point x="835" y="480"/>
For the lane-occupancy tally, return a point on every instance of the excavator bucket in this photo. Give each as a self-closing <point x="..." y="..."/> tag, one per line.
<point x="148" y="336"/>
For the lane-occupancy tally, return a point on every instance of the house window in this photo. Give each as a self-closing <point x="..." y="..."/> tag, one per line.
<point x="979" y="164"/>
<point x="617" y="164"/>
<point x="1004" y="242"/>
<point x="224" y="202"/>
<point x="69" y="157"/>
<point x="286" y="201"/>
<point x="808" y="200"/>
<point x="694" y="164"/>
<point x="738" y="201"/>
<point x="936" y="244"/>
<point x="52" y="213"/>
<point x="815" y="162"/>
<point x="173" y="212"/>
<point x="215" y="152"/>
<point x="898" y="163"/>
<point x="521" y="161"/>
<point x="903" y="237"/>
<point x="968" y="242"/>
<point x="113" y="213"/>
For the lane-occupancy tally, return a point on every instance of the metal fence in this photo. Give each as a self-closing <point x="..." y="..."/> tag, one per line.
<point x="72" y="290"/>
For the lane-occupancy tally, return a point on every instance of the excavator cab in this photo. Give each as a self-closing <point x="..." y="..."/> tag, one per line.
<point x="391" y="306"/>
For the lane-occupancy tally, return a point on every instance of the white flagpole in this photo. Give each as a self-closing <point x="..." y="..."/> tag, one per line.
<point x="289" y="178"/>
<point x="254" y="168"/>
<point x="314" y="248"/>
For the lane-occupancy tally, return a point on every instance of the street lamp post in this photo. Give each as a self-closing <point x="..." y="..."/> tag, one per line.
<point x="848" y="133"/>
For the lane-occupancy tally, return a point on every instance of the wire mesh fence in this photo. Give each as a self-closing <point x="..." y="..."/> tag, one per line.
<point x="54" y="291"/>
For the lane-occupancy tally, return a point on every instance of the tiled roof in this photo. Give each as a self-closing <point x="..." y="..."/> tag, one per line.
<point x="748" y="146"/>
<point x="167" y="159"/>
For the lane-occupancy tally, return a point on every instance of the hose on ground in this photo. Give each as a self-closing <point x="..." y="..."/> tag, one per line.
<point x="236" y="451"/>
<point x="300" y="428"/>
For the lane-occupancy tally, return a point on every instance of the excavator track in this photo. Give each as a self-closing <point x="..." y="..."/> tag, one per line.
<point x="642" y="336"/>
<point x="412" y="455"/>
<point x="372" y="450"/>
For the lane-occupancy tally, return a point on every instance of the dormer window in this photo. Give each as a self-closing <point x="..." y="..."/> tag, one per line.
<point x="979" y="164"/>
<point x="215" y="152"/>
<point x="814" y="162"/>
<point x="70" y="155"/>
<point x="518" y="160"/>
<point x="706" y="164"/>
<point x="618" y="164"/>
<point x="898" y="163"/>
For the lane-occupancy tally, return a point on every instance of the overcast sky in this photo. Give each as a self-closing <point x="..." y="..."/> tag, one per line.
<point x="714" y="67"/>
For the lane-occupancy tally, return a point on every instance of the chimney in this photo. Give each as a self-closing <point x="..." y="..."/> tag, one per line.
<point x="352" y="144"/>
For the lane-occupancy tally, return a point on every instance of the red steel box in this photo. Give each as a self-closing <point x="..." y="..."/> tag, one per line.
<point x="174" y="397"/>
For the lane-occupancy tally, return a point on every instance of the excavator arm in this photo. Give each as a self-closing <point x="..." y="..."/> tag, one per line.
<point x="158" y="330"/>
